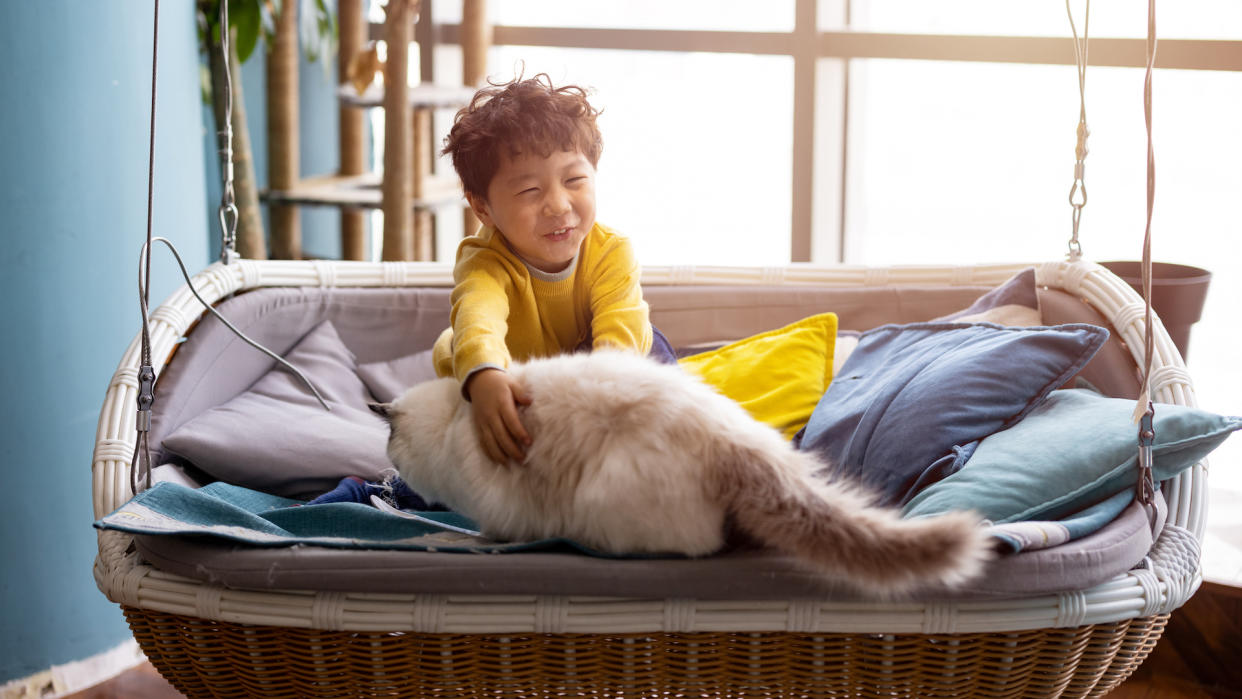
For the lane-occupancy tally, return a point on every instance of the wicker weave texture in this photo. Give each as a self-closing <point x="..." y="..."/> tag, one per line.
<point x="218" y="659"/>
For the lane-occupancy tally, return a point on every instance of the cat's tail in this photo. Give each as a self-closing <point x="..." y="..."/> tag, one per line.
<point x="834" y="528"/>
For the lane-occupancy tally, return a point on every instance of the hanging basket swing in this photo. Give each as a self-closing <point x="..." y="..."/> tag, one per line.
<point x="212" y="637"/>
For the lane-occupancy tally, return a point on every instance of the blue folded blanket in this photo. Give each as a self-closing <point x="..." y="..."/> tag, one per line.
<point x="261" y="519"/>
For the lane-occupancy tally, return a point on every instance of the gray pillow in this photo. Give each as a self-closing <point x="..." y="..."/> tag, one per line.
<point x="387" y="380"/>
<point x="276" y="437"/>
<point x="1014" y="303"/>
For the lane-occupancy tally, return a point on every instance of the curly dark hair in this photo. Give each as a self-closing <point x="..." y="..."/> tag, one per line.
<point x="523" y="116"/>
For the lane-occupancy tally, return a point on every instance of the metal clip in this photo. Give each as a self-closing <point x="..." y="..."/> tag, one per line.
<point x="1078" y="193"/>
<point x="146" y="396"/>
<point x="228" y="216"/>
<point x="1146" y="489"/>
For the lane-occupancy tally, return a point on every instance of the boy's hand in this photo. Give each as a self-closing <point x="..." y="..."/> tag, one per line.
<point x="494" y="398"/>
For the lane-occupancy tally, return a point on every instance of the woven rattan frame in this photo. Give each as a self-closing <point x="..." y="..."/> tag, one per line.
<point x="203" y="658"/>
<point x="228" y="639"/>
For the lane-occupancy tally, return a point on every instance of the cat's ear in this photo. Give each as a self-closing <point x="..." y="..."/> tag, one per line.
<point x="384" y="410"/>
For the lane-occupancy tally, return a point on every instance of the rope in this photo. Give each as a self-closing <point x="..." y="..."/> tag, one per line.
<point x="1078" y="191"/>
<point x="1144" y="410"/>
<point x="141" y="460"/>
<point x="1148" y="345"/>
<point x="227" y="212"/>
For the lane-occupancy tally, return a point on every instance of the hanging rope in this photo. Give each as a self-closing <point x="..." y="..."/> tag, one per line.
<point x="227" y="212"/>
<point x="1144" y="410"/>
<point x="141" y="460"/>
<point x="1078" y="192"/>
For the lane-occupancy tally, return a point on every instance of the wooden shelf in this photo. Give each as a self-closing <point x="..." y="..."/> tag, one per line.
<point x="361" y="192"/>
<point x="421" y="96"/>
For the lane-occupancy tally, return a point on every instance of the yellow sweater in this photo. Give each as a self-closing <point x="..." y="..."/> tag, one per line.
<point x="504" y="310"/>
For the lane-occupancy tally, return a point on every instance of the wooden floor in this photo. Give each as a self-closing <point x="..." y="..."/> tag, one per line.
<point x="1200" y="654"/>
<point x="1199" y="657"/>
<point x="142" y="682"/>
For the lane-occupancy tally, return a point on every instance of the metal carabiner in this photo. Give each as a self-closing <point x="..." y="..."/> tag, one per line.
<point x="1146" y="487"/>
<point x="228" y="215"/>
<point x="1079" y="186"/>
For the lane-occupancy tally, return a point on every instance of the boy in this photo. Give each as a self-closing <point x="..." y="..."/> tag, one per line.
<point x="541" y="277"/>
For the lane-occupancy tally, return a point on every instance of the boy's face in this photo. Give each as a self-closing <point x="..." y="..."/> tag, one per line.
<point x="544" y="207"/>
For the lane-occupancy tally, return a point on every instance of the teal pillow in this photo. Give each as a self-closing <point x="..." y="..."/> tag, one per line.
<point x="1075" y="449"/>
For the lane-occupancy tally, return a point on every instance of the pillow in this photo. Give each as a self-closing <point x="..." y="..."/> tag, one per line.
<point x="389" y="379"/>
<point x="276" y="437"/>
<point x="1015" y="303"/>
<point x="777" y="376"/>
<point x="912" y="400"/>
<point x="1076" y="449"/>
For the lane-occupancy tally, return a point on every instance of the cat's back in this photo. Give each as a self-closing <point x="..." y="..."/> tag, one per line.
<point x="620" y="450"/>
<point x="616" y="393"/>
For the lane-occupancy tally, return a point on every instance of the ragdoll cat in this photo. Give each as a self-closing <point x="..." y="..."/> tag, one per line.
<point x="631" y="456"/>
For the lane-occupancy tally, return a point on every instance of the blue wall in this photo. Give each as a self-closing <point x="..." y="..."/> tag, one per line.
<point x="73" y="140"/>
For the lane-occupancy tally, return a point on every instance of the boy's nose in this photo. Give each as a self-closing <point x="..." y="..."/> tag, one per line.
<point x="556" y="203"/>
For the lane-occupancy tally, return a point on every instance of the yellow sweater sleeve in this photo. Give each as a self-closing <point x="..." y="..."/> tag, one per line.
<point x="619" y="315"/>
<point x="480" y="313"/>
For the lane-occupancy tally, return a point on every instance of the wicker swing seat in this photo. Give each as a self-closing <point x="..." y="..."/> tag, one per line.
<point x="215" y="636"/>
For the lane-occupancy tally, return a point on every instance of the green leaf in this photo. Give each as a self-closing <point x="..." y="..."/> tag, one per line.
<point x="244" y="16"/>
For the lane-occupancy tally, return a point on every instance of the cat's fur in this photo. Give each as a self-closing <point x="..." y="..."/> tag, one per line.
<point x="630" y="456"/>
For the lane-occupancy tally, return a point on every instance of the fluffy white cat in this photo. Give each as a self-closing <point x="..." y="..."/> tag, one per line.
<point x="630" y="456"/>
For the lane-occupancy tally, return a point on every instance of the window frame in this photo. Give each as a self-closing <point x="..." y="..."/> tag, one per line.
<point x="817" y="231"/>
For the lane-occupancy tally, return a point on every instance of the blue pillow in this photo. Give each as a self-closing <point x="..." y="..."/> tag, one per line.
<point x="1074" y="450"/>
<point x="912" y="401"/>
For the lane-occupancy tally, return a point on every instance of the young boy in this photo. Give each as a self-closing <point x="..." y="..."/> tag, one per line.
<point x="541" y="277"/>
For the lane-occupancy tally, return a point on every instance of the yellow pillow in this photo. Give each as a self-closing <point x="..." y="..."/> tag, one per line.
<point x="777" y="376"/>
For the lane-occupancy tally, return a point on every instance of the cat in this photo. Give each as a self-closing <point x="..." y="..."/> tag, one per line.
<point x="632" y="456"/>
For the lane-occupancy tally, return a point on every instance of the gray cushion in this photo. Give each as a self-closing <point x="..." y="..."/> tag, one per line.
<point x="1015" y="302"/>
<point x="213" y="366"/>
<point x="737" y="574"/>
<point x="275" y="437"/>
<point x="388" y="379"/>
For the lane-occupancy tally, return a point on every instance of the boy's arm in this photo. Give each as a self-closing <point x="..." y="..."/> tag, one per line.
<point x="619" y="315"/>
<point x="480" y="356"/>
<point x="480" y="321"/>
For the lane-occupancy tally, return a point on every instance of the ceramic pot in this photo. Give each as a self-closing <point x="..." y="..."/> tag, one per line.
<point x="1177" y="294"/>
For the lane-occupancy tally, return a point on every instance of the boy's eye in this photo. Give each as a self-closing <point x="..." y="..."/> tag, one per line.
<point x="528" y="190"/>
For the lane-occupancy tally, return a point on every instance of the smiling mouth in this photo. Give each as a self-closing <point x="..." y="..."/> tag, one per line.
<point x="559" y="234"/>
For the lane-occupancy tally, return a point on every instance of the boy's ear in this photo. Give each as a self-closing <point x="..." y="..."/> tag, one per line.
<point x="480" y="208"/>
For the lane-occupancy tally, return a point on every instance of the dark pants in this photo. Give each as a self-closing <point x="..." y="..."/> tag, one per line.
<point x="661" y="350"/>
